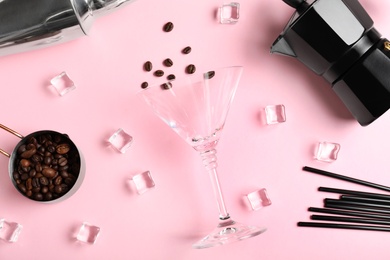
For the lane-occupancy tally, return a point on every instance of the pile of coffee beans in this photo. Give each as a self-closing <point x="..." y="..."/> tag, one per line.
<point x="148" y="66"/>
<point x="46" y="166"/>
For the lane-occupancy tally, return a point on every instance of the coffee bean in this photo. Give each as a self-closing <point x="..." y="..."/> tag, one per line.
<point x="24" y="177"/>
<point x="62" y="161"/>
<point x="44" y="189"/>
<point x="51" y="148"/>
<point x="31" y="146"/>
<point x="65" y="187"/>
<point x="41" y="149"/>
<point x="168" y="62"/>
<point x="186" y="50"/>
<point x="168" y="27"/>
<point x="58" y="189"/>
<point x="64" y="174"/>
<point x="47" y="160"/>
<point x="25" y="163"/>
<point x="58" y="180"/>
<point x="48" y="196"/>
<point x="16" y="176"/>
<point x="32" y="140"/>
<point x="69" y="180"/>
<point x="49" y="172"/>
<point x="171" y="77"/>
<point x="22" y="188"/>
<point x="54" y="163"/>
<point x="38" y="167"/>
<point x="22" y="148"/>
<point x="29" y="193"/>
<point x="44" y="181"/>
<point x="35" y="183"/>
<point x="144" y="85"/>
<point x="37" y="158"/>
<point x="28" y="153"/>
<point x="190" y="69"/>
<point x="38" y="196"/>
<point x="159" y="73"/>
<point x="29" y="184"/>
<point x="32" y="173"/>
<point x="62" y="148"/>
<point x="63" y="168"/>
<point x="57" y="138"/>
<point x="148" y="66"/>
<point x="167" y="85"/>
<point x="209" y="75"/>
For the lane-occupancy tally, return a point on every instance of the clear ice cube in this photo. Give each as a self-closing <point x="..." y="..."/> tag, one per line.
<point x="143" y="182"/>
<point x="9" y="231"/>
<point x="327" y="151"/>
<point x="229" y="13"/>
<point x="258" y="199"/>
<point x="275" y="114"/>
<point x="62" y="83"/>
<point x="121" y="140"/>
<point x="88" y="233"/>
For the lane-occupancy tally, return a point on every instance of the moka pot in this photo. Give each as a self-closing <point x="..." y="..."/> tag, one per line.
<point x="336" y="40"/>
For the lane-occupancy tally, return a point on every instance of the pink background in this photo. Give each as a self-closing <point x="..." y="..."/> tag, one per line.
<point x="164" y="222"/>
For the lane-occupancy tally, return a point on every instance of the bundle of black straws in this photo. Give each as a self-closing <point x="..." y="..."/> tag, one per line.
<point x="366" y="210"/>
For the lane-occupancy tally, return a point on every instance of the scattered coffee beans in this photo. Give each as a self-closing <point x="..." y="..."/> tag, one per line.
<point x="186" y="50"/>
<point x="144" y="84"/>
<point x="171" y="77"/>
<point x="209" y="75"/>
<point x="148" y="66"/>
<point x="159" y="73"/>
<point x="168" y="27"/>
<point x="45" y="167"/>
<point x="190" y="69"/>
<point x="168" y="62"/>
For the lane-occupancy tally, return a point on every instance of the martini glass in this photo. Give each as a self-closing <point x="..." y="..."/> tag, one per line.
<point x="195" y="107"/>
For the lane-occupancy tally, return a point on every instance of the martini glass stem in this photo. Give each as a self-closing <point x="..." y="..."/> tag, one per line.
<point x="209" y="159"/>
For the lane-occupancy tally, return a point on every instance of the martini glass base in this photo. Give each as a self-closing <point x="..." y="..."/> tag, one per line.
<point x="226" y="232"/>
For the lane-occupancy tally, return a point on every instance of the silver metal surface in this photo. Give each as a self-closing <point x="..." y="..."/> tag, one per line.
<point x="33" y="24"/>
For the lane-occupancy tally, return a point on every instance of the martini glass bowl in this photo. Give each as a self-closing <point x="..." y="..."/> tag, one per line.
<point x="196" y="107"/>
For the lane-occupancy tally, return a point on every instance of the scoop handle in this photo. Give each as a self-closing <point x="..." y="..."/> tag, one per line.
<point x="12" y="132"/>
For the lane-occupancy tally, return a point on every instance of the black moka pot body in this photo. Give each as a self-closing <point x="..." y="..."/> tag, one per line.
<point x="336" y="40"/>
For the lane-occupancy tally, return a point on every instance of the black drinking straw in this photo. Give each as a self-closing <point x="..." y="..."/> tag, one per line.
<point x="353" y="220"/>
<point x="343" y="226"/>
<point x="355" y="203"/>
<point x="356" y="208"/>
<point x="346" y="178"/>
<point x="357" y="193"/>
<point x="349" y="213"/>
<point x="364" y="200"/>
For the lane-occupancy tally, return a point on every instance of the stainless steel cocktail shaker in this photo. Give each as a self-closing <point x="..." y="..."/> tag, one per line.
<point x="28" y="25"/>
